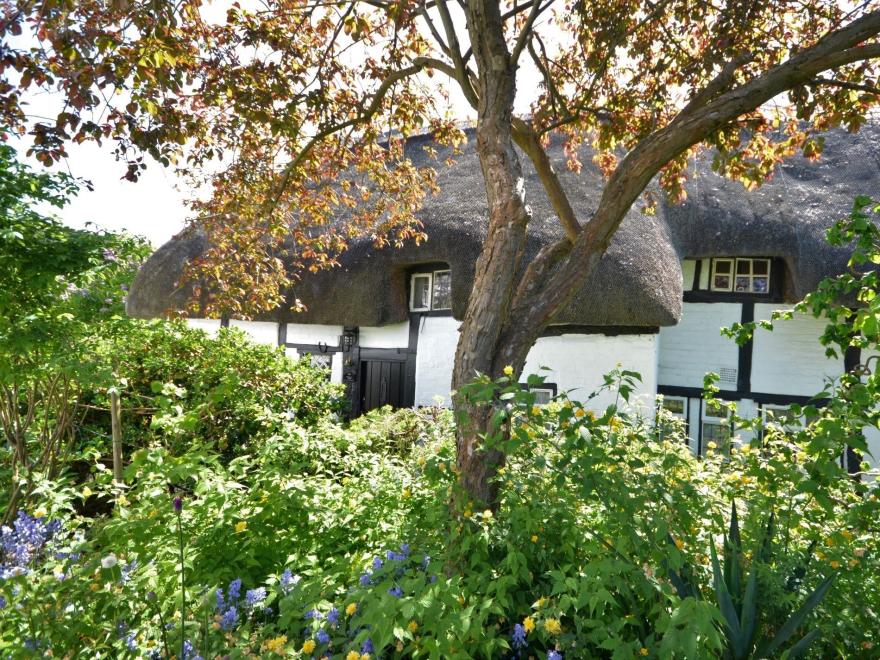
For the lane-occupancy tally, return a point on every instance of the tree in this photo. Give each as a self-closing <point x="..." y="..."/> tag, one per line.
<point x="294" y="95"/>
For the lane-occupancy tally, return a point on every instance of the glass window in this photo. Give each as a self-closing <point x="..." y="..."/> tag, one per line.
<point x="543" y="396"/>
<point x="780" y="417"/>
<point x="420" y="292"/>
<point x="715" y="427"/>
<point x="442" y="298"/>
<point x="674" y="405"/>
<point x="743" y="275"/>
<point x="722" y="274"/>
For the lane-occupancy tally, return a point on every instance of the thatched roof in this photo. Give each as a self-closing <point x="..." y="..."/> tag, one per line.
<point x="639" y="281"/>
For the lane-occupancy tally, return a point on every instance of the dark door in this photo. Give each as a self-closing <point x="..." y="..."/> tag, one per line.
<point x="382" y="383"/>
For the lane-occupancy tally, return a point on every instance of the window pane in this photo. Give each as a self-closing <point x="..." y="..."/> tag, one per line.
<point x="760" y="285"/>
<point x="760" y="267"/>
<point x="421" y="294"/>
<point x="542" y="397"/>
<point x="721" y="282"/>
<point x="722" y="265"/>
<point x="743" y="284"/>
<point x="715" y="409"/>
<point x="442" y="290"/>
<point x="717" y="433"/>
<point x="675" y="406"/>
<point x="743" y="266"/>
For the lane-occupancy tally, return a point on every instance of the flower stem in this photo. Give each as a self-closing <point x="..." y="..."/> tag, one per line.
<point x="182" y="588"/>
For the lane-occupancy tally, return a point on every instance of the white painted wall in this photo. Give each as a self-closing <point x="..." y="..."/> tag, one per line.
<point x="438" y="337"/>
<point x="578" y="363"/>
<point x="386" y="336"/>
<point x="210" y="326"/>
<point x="305" y="333"/>
<point x="261" y="332"/>
<point x="790" y="360"/>
<point x="692" y="348"/>
<point x="688" y="267"/>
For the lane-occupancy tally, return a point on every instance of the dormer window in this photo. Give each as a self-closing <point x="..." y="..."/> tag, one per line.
<point x="741" y="275"/>
<point x="430" y="291"/>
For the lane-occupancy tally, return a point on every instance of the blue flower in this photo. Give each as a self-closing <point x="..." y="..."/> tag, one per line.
<point x="554" y="655"/>
<point x="333" y="616"/>
<point x="367" y="646"/>
<point x="229" y="619"/>
<point x="396" y="591"/>
<point x="288" y="581"/>
<point x="377" y="563"/>
<point x="322" y="636"/>
<point x="519" y="637"/>
<point x="22" y="543"/>
<point x="2" y="602"/>
<point x="234" y="590"/>
<point x="255" y="596"/>
<point x="313" y="614"/>
<point x="130" y="642"/>
<point x="127" y="570"/>
<point x="364" y="579"/>
<point x="404" y="549"/>
<point x="220" y="603"/>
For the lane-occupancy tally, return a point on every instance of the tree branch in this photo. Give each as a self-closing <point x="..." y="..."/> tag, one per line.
<point x="843" y="84"/>
<point x="687" y="129"/>
<point x="462" y="73"/>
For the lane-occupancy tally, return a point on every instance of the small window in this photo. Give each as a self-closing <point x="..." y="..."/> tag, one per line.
<point x="742" y="275"/>
<point x="781" y="417"/>
<point x="715" y="427"/>
<point x="722" y="274"/>
<point x="674" y="405"/>
<point x="442" y="296"/>
<point x="420" y="292"/>
<point x="543" y="395"/>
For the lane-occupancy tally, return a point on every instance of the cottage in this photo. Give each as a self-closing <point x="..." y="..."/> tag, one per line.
<point x="386" y="322"/>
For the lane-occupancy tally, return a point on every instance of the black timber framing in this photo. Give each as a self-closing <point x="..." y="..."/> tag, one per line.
<point x="607" y="330"/>
<point x="852" y="358"/>
<point x="698" y="271"/>
<point x="736" y="395"/>
<point x="744" y="359"/>
<point x="774" y="295"/>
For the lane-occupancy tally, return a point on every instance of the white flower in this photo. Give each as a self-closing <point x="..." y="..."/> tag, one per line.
<point x="109" y="561"/>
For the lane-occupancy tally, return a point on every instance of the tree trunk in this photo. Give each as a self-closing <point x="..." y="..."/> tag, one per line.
<point x="500" y="260"/>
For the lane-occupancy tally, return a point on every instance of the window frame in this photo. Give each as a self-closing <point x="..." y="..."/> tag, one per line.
<point x="771" y="407"/>
<point x="734" y="274"/>
<point x="684" y="401"/>
<point x="412" y="291"/>
<point x="708" y="418"/>
<point x="434" y="279"/>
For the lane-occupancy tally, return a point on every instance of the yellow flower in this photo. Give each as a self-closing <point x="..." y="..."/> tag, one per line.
<point x="39" y="513"/>
<point x="487" y="515"/>
<point x="351" y="609"/>
<point x="529" y="624"/>
<point x="580" y="412"/>
<point x="461" y="600"/>
<point x="123" y="500"/>
<point x="534" y="538"/>
<point x="412" y="626"/>
<point x="712" y="445"/>
<point x="643" y="651"/>
<point x="308" y="646"/>
<point x="276" y="645"/>
<point x="467" y="513"/>
<point x="508" y="370"/>
<point x="835" y="564"/>
<point x="540" y="602"/>
<point x="553" y="626"/>
<point x="353" y="655"/>
<point x="421" y="460"/>
<point x="365" y="656"/>
<point x="536" y="410"/>
<point x="679" y="544"/>
<point x="94" y="586"/>
<point x="846" y="534"/>
<point x="240" y="526"/>
<point x="406" y="492"/>
<point x="87" y="492"/>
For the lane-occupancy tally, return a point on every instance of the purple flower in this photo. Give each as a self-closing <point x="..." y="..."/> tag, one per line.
<point x="254" y="597"/>
<point x="109" y="255"/>
<point x="377" y="563"/>
<point x="396" y="591"/>
<point x="333" y="616"/>
<point x="364" y="580"/>
<point x="554" y="655"/>
<point x="220" y="602"/>
<point x="234" y="590"/>
<point x="127" y="570"/>
<point x="229" y="619"/>
<point x="178" y="505"/>
<point x="322" y="636"/>
<point x="367" y="646"/>
<point x="22" y="543"/>
<point x="130" y="642"/>
<point x="313" y="614"/>
<point x="519" y="637"/>
<point x="2" y="602"/>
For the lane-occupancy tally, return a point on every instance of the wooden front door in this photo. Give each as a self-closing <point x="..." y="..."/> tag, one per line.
<point x="382" y="383"/>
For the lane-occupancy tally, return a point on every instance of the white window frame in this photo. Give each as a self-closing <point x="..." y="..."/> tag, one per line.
<point x="684" y="408"/>
<point x="550" y="393"/>
<point x="412" y="291"/>
<point x="433" y="276"/>
<point x="732" y="274"/>
<point x="708" y="418"/>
